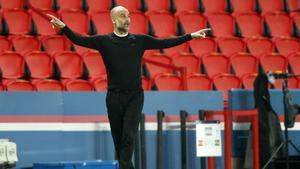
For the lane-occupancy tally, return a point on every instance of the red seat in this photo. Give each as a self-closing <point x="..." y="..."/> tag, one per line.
<point x="11" y="4"/>
<point x="48" y="85"/>
<point x="18" y="21"/>
<point x="239" y="6"/>
<point x="164" y="24"/>
<point x="139" y="23"/>
<point x="279" y="24"/>
<point x="183" y="5"/>
<point x="100" y="84"/>
<point x="98" y="6"/>
<point x="79" y="85"/>
<point x="1" y="23"/>
<point x="203" y="46"/>
<point x="43" y="27"/>
<point x="77" y="20"/>
<point x="250" y="24"/>
<point x="214" y="5"/>
<point x="215" y="64"/>
<point x="12" y="65"/>
<point x="192" y="21"/>
<point x="296" y="19"/>
<point x="55" y="43"/>
<point x="69" y="4"/>
<point x="187" y="60"/>
<point x="273" y="62"/>
<point x="94" y="64"/>
<point x="293" y="5"/>
<point x="199" y="82"/>
<point x="70" y="64"/>
<point x="229" y="46"/>
<point x="260" y="46"/>
<point x="154" y="69"/>
<point x="287" y="46"/>
<point x="131" y="5"/>
<point x="157" y="5"/>
<point x="21" y="44"/>
<point x="248" y="80"/>
<point x="176" y="49"/>
<point x="292" y="83"/>
<point x="5" y="44"/>
<point x="40" y="64"/>
<point x="167" y="82"/>
<point x="225" y="82"/>
<point x="19" y="85"/>
<point x="146" y="83"/>
<point x="294" y="61"/>
<point x="102" y="22"/>
<point x="222" y="24"/>
<point x="270" y="6"/>
<point x="42" y="4"/>
<point x="244" y="63"/>
<point x="2" y="87"/>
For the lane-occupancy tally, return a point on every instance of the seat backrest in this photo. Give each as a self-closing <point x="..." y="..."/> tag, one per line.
<point x="139" y="23"/>
<point x="225" y="82"/>
<point x="102" y="22"/>
<point x="279" y="23"/>
<point x="270" y="6"/>
<point x="166" y="81"/>
<point x="157" y="5"/>
<point x="244" y="63"/>
<point x="192" y="21"/>
<point x="70" y="64"/>
<point x="18" y="21"/>
<point x="293" y="5"/>
<point x="164" y="24"/>
<point x="77" y="20"/>
<point x="229" y="46"/>
<point x="94" y="64"/>
<point x="294" y="61"/>
<point x="12" y="65"/>
<point x="11" y="4"/>
<point x="21" y="44"/>
<point x="250" y="24"/>
<point x="131" y="5"/>
<point x="98" y="6"/>
<point x="146" y="83"/>
<point x="187" y="60"/>
<point x="42" y="25"/>
<point x="248" y="80"/>
<point x="176" y="49"/>
<point x="40" y="64"/>
<point x="78" y="85"/>
<point x="154" y="69"/>
<point x="203" y="46"/>
<point x="5" y="44"/>
<point x="183" y="5"/>
<point x="42" y="4"/>
<point x="49" y="85"/>
<point x="260" y="46"/>
<point x="100" y="84"/>
<point x="273" y="62"/>
<point x="287" y="46"/>
<point x="222" y="24"/>
<point x="296" y="20"/>
<point x="214" y="5"/>
<point x="55" y="43"/>
<point x="239" y="6"/>
<point x="199" y="82"/>
<point x="215" y="64"/>
<point x="69" y="4"/>
<point x="19" y="85"/>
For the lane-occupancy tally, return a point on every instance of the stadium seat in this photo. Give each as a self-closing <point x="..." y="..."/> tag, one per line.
<point x="192" y="21"/>
<point x="271" y="6"/>
<point x="94" y="64"/>
<point x="187" y="60"/>
<point x="183" y="5"/>
<point x="211" y="6"/>
<point x="2" y="87"/>
<point x="163" y="23"/>
<point x="248" y="80"/>
<point x="78" y="21"/>
<point x="102" y="22"/>
<point x="12" y="65"/>
<point x="40" y="64"/>
<point x="222" y="24"/>
<point x="203" y="46"/>
<point x="250" y="24"/>
<point x="139" y="23"/>
<point x="146" y="83"/>
<point x="215" y="64"/>
<point x="70" y="64"/>
<point x="1" y="25"/>
<point x="287" y="46"/>
<point x="279" y="24"/>
<point x="296" y="20"/>
<point x="43" y="26"/>
<point x="157" y="5"/>
<point x="294" y="61"/>
<point x="199" y="82"/>
<point x="100" y="84"/>
<point x="244" y="63"/>
<point x="273" y="62"/>
<point x="154" y="69"/>
<point x="69" y="5"/>
<point x="19" y="85"/>
<point x="98" y="6"/>
<point x="48" y="85"/>
<point x="11" y="4"/>
<point x="260" y="46"/>
<point x="18" y="21"/>
<point x="5" y="44"/>
<point x="244" y="6"/>
<point x="131" y="5"/>
<point x="167" y="82"/>
<point x="229" y="46"/>
<point x="21" y="44"/>
<point x="55" y="43"/>
<point x="293" y="6"/>
<point x="78" y="85"/>
<point x="225" y="82"/>
<point x="176" y="49"/>
<point x="292" y="83"/>
<point x="42" y="4"/>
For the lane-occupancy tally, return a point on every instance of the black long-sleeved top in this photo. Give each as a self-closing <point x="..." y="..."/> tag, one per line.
<point x="122" y="56"/>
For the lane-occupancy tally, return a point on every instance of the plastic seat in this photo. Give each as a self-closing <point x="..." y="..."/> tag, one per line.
<point x="214" y="5"/>
<point x="42" y="25"/>
<point x="40" y="64"/>
<point x="1" y="25"/>
<point x="12" y="65"/>
<point x="293" y="6"/>
<point x="11" y="4"/>
<point x="19" y="85"/>
<point x="250" y="24"/>
<point x="42" y="4"/>
<point x="48" y="85"/>
<point x="203" y="46"/>
<point x="287" y="46"/>
<point x="215" y="64"/>
<point x="244" y="63"/>
<point x="271" y="6"/>
<point x="78" y="85"/>
<point x="167" y="82"/>
<point x="55" y="43"/>
<point x="18" y="21"/>
<point x="244" y="6"/>
<point x="70" y="64"/>
<point x="225" y="82"/>
<point x="183" y="5"/>
<point x="100" y="84"/>
<point x="222" y="24"/>
<point x="292" y="83"/>
<point x="187" y="60"/>
<point x="192" y="21"/>
<point x="77" y="20"/>
<point x="294" y="61"/>
<point x="157" y="5"/>
<point x="2" y="87"/>
<point x="146" y="84"/>
<point x="139" y="23"/>
<point x="102" y="22"/>
<point x="69" y="4"/>
<point x="154" y="69"/>
<point x="94" y="64"/>
<point x="248" y="80"/>
<point x="229" y="46"/>
<point x="296" y="20"/>
<point x="164" y="24"/>
<point x="131" y="5"/>
<point x="182" y="48"/>
<point x="5" y="44"/>
<point x="260" y="46"/>
<point x="273" y="62"/>
<point x="199" y="82"/>
<point x="98" y="6"/>
<point x="279" y="24"/>
<point x="21" y="44"/>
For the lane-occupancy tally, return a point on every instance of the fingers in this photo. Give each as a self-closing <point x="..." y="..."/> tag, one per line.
<point x="52" y="17"/>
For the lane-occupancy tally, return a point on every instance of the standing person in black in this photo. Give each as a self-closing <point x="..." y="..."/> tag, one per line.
<point x="122" y="55"/>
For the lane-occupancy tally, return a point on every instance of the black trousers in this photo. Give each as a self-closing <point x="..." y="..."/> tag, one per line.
<point x="124" y="109"/>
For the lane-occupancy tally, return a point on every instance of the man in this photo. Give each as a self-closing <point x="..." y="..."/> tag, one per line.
<point x="122" y="55"/>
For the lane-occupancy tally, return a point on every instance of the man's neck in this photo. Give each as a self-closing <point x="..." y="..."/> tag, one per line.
<point x="120" y="34"/>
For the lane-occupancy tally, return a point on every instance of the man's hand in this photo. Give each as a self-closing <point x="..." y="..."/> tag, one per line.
<point x="56" y="22"/>
<point x="201" y="33"/>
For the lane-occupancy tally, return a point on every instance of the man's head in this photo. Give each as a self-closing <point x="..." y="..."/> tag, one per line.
<point x="120" y="18"/>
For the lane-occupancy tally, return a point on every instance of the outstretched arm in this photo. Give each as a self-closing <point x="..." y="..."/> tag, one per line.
<point x="154" y="43"/>
<point x="86" y="41"/>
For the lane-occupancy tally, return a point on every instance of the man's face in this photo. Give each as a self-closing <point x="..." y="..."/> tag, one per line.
<point x="122" y="20"/>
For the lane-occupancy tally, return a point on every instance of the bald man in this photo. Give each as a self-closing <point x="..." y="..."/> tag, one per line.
<point x="122" y="55"/>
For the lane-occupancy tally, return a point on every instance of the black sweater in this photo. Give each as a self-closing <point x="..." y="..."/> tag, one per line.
<point x="122" y="56"/>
